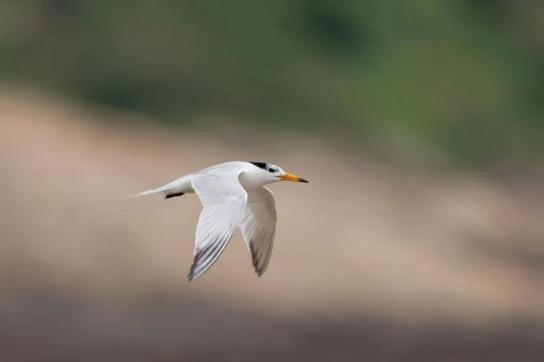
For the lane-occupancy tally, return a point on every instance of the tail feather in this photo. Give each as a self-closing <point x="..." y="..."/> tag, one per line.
<point x="144" y="193"/>
<point x="171" y="189"/>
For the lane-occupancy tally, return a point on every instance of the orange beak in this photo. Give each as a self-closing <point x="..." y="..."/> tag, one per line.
<point x="290" y="177"/>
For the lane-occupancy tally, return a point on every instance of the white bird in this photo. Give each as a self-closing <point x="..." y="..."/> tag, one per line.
<point x="232" y="195"/>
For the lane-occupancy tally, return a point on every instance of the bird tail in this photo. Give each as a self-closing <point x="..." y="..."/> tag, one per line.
<point x="144" y="193"/>
<point x="170" y="189"/>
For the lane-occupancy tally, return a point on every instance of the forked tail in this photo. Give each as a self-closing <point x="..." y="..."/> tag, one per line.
<point x="172" y="189"/>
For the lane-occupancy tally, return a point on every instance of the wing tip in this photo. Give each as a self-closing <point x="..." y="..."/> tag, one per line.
<point x="259" y="273"/>
<point x="259" y="270"/>
<point x="193" y="274"/>
<point x="190" y="276"/>
<point x="206" y="258"/>
<point x="174" y="194"/>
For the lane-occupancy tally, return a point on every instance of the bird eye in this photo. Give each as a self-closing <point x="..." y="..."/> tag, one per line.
<point x="271" y="170"/>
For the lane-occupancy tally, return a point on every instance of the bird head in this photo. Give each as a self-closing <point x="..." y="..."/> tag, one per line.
<point x="272" y="173"/>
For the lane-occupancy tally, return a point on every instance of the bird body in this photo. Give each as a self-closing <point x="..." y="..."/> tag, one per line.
<point x="233" y="196"/>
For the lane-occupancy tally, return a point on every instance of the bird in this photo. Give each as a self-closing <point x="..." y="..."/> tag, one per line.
<point x="233" y="195"/>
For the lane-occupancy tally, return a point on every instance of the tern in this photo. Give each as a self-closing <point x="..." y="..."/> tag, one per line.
<point x="233" y="195"/>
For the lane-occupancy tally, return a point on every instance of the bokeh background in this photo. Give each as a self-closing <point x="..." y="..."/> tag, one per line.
<point x="419" y="124"/>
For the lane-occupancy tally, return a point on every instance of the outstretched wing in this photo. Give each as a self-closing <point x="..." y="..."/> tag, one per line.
<point x="223" y="200"/>
<point x="259" y="225"/>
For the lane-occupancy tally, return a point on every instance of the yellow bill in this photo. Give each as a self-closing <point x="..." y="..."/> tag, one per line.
<point x="291" y="177"/>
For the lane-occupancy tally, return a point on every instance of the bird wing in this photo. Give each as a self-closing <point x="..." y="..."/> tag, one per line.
<point x="259" y="225"/>
<point x="223" y="199"/>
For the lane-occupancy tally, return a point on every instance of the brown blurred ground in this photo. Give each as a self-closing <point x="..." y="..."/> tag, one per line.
<point x="372" y="261"/>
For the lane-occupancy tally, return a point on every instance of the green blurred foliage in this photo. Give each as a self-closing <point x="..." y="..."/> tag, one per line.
<point x="463" y="78"/>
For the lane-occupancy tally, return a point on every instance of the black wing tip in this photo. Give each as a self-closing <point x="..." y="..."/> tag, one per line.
<point x="168" y="196"/>
<point x="192" y="271"/>
<point x="193" y="274"/>
<point x="190" y="276"/>
<point x="196" y="259"/>
<point x="258" y="270"/>
<point x="211" y="253"/>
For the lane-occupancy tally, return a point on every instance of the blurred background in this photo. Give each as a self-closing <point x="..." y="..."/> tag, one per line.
<point x="419" y="125"/>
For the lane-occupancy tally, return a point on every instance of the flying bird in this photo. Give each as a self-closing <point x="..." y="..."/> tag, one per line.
<point x="232" y="196"/>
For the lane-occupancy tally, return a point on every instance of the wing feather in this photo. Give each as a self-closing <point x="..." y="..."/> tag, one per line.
<point x="259" y="226"/>
<point x="223" y="200"/>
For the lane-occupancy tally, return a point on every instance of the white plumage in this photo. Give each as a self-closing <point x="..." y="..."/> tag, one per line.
<point x="232" y="195"/>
